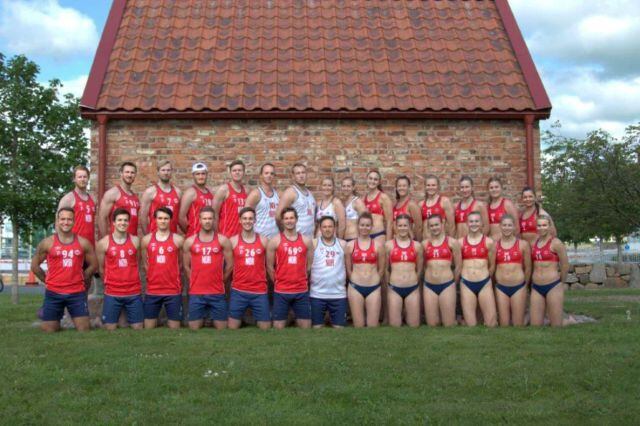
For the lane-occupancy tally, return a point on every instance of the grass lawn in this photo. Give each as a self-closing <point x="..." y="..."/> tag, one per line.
<point x="587" y="373"/>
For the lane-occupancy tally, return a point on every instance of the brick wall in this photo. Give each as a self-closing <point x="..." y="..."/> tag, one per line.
<point x="447" y="148"/>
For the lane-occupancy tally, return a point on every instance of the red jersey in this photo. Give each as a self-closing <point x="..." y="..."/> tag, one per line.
<point x="403" y="254"/>
<point x="461" y="214"/>
<point x="477" y="251"/>
<point x="84" y="217"/>
<point x="495" y="215"/>
<point x="249" y="273"/>
<point x="130" y="203"/>
<point x="163" y="273"/>
<point x="511" y="255"/>
<point x="364" y="256"/>
<point x="193" y="215"/>
<point x="169" y="200"/>
<point x="229" y="223"/>
<point x="64" y="267"/>
<point x="207" y="264"/>
<point x="441" y="252"/>
<point x="403" y="209"/>
<point x="436" y="208"/>
<point x="374" y="206"/>
<point x="121" y="277"/>
<point x="291" y="266"/>
<point x="529" y="225"/>
<point x="544" y="253"/>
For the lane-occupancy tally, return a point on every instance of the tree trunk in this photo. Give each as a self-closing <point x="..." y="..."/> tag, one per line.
<point x="619" y="247"/>
<point x="14" y="263"/>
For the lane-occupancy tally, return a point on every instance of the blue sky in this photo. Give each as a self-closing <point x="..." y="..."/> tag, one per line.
<point x="587" y="52"/>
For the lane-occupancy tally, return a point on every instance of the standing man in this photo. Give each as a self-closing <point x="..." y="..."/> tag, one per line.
<point x="301" y="199"/>
<point x="163" y="261"/>
<point x="249" y="288"/>
<point x="205" y="255"/>
<point x="194" y="199"/>
<point x="65" y="282"/>
<point x="161" y="194"/>
<point x="118" y="262"/>
<point x="120" y="196"/>
<point x="229" y="200"/>
<point x="264" y="199"/>
<point x="289" y="258"/>
<point x="82" y="204"/>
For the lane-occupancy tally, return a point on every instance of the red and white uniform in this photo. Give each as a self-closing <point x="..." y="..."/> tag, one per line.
<point x="364" y="256"/>
<point x="436" y="208"/>
<point x="84" y="217"/>
<point x="441" y="252"/>
<point x="475" y="251"/>
<point x="64" y="267"/>
<point x="291" y="266"/>
<point x="229" y="224"/>
<point x="249" y="272"/>
<point x="169" y="200"/>
<point x="544" y="253"/>
<point x="461" y="214"/>
<point x="403" y="209"/>
<point x="495" y="215"/>
<point x="121" y="277"/>
<point x="529" y="225"/>
<point x="193" y="215"/>
<point x="207" y="264"/>
<point x="403" y="254"/>
<point x="130" y="203"/>
<point x="163" y="272"/>
<point x="374" y="206"/>
<point x="511" y="255"/>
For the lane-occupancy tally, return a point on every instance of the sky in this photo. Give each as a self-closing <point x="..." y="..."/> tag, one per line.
<point x="587" y="52"/>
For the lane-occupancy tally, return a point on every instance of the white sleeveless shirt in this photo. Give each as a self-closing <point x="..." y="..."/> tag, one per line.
<point x="328" y="274"/>
<point x="350" y="212"/>
<point x="266" y="214"/>
<point x="305" y="206"/>
<point x="327" y="211"/>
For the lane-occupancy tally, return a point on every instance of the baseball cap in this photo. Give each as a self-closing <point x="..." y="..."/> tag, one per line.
<point x="198" y="167"/>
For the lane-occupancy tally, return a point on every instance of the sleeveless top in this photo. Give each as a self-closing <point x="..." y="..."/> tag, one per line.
<point x="495" y="215"/>
<point x="475" y="251"/>
<point x="229" y="223"/>
<point x="441" y="252"/>
<point x="374" y="206"/>
<point x="403" y="209"/>
<point x="403" y="254"/>
<point x="130" y="203"/>
<point x="266" y="214"/>
<point x="350" y="212"/>
<point x="169" y="200"/>
<point x="163" y="274"/>
<point x="207" y="264"/>
<point x="364" y="256"/>
<point x="121" y="276"/>
<point x="64" y="267"/>
<point x="305" y="206"/>
<point x="201" y="200"/>
<point x="529" y="225"/>
<point x="461" y="214"/>
<point x="544" y="253"/>
<point x="249" y="270"/>
<point x="291" y="266"/>
<point x="327" y="211"/>
<point x="84" y="214"/>
<point x="328" y="274"/>
<point x="511" y="255"/>
<point x="428" y="211"/>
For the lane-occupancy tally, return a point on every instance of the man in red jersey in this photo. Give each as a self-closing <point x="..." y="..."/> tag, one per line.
<point x="249" y="287"/>
<point x="289" y="260"/>
<point x="82" y="204"/>
<point x="65" y="281"/>
<point x="163" y="263"/>
<point x="230" y="199"/>
<point x="208" y="262"/>
<point x="120" y="196"/>
<point x="195" y="198"/>
<point x="118" y="262"/>
<point x="161" y="194"/>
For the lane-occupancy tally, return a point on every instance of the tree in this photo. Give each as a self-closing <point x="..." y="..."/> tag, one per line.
<point x="41" y="140"/>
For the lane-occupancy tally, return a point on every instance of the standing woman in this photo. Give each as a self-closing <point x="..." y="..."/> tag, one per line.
<point x="475" y="277"/>
<point x="440" y="253"/>
<point x="529" y="216"/>
<point x="327" y="204"/>
<point x="404" y="257"/>
<point x="364" y="261"/>
<point x="550" y="267"/>
<point x="513" y="270"/>
<point x="379" y="205"/>
<point x="435" y="203"/>
<point x="406" y="206"/>
<point x="353" y="208"/>
<point x="467" y="205"/>
<point x="498" y="207"/>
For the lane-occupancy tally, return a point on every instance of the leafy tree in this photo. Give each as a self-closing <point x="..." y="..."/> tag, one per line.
<point x="41" y="140"/>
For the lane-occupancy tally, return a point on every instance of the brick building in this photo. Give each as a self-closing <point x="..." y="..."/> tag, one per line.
<point x="407" y="87"/>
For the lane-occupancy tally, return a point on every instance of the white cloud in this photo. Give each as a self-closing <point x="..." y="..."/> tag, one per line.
<point x="44" y="27"/>
<point x="74" y="86"/>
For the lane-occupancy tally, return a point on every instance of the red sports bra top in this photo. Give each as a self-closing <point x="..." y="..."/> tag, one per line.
<point x="477" y="251"/>
<point x="428" y="211"/>
<point x="495" y="215"/>
<point x="441" y="252"/>
<point x="510" y="255"/>
<point x="461" y="214"/>
<point x="529" y="225"/>
<point x="403" y="254"/>
<point x="364" y="256"/>
<point x="544" y="253"/>
<point x="374" y="206"/>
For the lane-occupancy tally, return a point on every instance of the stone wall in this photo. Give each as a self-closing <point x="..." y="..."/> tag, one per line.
<point x="604" y="275"/>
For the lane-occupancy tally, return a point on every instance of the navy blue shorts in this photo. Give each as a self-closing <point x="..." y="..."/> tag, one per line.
<point x="54" y="304"/>
<point x="240" y="301"/>
<point x="203" y="306"/>
<point x="337" y="311"/>
<point x="172" y="304"/>
<point x="299" y="302"/>
<point x="113" y="305"/>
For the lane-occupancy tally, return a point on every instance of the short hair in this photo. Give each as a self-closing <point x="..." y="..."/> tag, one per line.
<point x="245" y="210"/>
<point x="166" y="210"/>
<point x="127" y="163"/>
<point x="365" y="215"/>
<point x="297" y="165"/>
<point x="65" y="209"/>
<point x="323" y="218"/>
<point x="236" y="163"/>
<point x="119" y="211"/>
<point x="207" y="209"/>
<point x="287" y="210"/>
<point x="80" y="167"/>
<point x="267" y="165"/>
<point x="160" y="164"/>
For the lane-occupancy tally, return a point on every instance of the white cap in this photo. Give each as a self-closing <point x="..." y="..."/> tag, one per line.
<point x="198" y="167"/>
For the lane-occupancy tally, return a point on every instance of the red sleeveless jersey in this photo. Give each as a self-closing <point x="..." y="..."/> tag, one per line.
<point x="403" y="209"/>
<point x="511" y="255"/>
<point x="403" y="254"/>
<point x="441" y="252"/>
<point x="374" y="206"/>
<point x="544" y="253"/>
<point x="163" y="273"/>
<point x="436" y="208"/>
<point x="364" y="256"/>
<point x="529" y="225"/>
<point x="121" y="277"/>
<point x="461" y="214"/>
<point x="64" y="267"/>
<point x="249" y="273"/>
<point x="477" y="251"/>
<point x="229" y="223"/>
<point x="193" y="215"/>
<point x="84" y="217"/>
<point x="207" y="264"/>
<point x="130" y="203"/>
<point x="291" y="266"/>
<point x="165" y="199"/>
<point x="495" y="215"/>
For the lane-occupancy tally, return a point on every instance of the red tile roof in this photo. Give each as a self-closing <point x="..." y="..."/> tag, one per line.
<point x="313" y="55"/>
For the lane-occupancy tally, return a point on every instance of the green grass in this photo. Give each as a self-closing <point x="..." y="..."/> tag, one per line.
<point x="581" y="374"/>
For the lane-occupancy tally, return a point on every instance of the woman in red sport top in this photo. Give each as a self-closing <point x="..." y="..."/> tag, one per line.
<point x="513" y="271"/>
<point x="466" y="205"/>
<point x="550" y="267"/>
<point x="475" y="276"/>
<point x="230" y="199"/>
<point x="497" y="207"/>
<point x="529" y="215"/>
<point x="436" y="203"/>
<point x="405" y="205"/>
<point x="441" y="252"/>
<point x="365" y="262"/>
<point x="380" y="206"/>
<point x="404" y="257"/>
